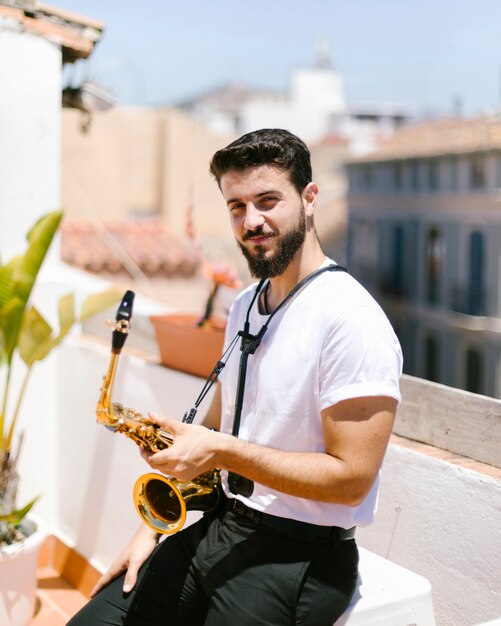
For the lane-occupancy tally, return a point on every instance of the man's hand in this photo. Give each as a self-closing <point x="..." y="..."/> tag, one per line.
<point x="130" y="560"/>
<point x="192" y="452"/>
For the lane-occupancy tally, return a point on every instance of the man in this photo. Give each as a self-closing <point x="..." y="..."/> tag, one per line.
<point x="313" y="424"/>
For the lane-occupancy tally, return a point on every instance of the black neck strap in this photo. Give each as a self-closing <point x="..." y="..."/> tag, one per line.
<point x="249" y="345"/>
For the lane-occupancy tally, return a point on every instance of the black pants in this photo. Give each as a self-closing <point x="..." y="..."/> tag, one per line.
<point x="227" y="570"/>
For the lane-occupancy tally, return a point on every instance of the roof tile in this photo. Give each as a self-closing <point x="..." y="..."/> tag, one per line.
<point x="127" y="246"/>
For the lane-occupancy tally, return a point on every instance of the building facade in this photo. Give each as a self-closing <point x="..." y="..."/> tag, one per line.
<point x="425" y="239"/>
<point x="35" y="42"/>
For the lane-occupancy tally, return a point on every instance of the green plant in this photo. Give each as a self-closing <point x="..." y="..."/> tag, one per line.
<point x="27" y="337"/>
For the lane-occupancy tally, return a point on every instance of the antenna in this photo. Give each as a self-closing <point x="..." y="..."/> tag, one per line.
<point x="323" y="49"/>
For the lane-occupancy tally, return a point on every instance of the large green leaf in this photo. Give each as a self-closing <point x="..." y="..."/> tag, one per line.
<point x="98" y="302"/>
<point x="36" y="339"/>
<point x="10" y="319"/>
<point x="18" y="276"/>
<point x="39" y="239"/>
<point x="38" y="333"/>
<point x="6" y="283"/>
<point x="67" y="312"/>
<point x="25" y="267"/>
<point x="93" y="304"/>
<point x="10" y="309"/>
<point x="35" y="334"/>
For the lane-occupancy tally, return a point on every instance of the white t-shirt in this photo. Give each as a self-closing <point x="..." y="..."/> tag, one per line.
<point x="332" y="342"/>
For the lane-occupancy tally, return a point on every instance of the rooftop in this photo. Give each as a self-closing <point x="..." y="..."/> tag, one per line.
<point x="77" y="35"/>
<point x="133" y="247"/>
<point x="228" y="97"/>
<point x="440" y="137"/>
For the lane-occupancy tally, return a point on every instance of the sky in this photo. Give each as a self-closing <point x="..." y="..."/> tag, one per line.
<point x="431" y="56"/>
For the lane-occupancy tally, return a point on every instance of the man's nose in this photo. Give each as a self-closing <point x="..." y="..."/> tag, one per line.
<point x="253" y="217"/>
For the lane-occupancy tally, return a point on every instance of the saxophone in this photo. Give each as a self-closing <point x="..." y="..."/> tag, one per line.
<point x="162" y="502"/>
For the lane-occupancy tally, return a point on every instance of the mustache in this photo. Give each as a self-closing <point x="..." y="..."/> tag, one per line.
<point x="258" y="232"/>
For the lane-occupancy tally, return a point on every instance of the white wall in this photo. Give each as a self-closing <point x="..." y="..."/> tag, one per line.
<point x="441" y="521"/>
<point x="30" y="105"/>
<point x="315" y="95"/>
<point x="320" y="88"/>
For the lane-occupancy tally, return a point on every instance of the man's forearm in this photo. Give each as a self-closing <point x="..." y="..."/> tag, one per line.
<point x="312" y="475"/>
<point x="356" y="434"/>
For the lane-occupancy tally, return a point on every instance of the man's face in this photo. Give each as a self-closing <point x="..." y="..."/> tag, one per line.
<point x="267" y="216"/>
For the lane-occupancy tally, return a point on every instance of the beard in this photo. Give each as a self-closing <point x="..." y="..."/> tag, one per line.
<point x="287" y="246"/>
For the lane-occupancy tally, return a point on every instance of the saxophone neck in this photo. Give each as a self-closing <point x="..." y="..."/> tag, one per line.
<point x="104" y="410"/>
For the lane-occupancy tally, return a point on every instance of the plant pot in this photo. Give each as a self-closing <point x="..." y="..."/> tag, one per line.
<point x="186" y="347"/>
<point x="18" y="577"/>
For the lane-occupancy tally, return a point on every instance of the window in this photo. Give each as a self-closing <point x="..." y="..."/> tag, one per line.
<point x="432" y="357"/>
<point x="477" y="173"/>
<point x="498" y="171"/>
<point x="397" y="176"/>
<point x="367" y="177"/>
<point x="364" y="257"/>
<point x="414" y="175"/>
<point x="454" y="180"/>
<point x="474" y="371"/>
<point x="397" y="274"/>
<point x="475" y="290"/>
<point x="433" y="175"/>
<point x="435" y="249"/>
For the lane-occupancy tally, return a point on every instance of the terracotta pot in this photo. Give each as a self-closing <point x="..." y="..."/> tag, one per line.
<point x="186" y="347"/>
<point x="18" y="567"/>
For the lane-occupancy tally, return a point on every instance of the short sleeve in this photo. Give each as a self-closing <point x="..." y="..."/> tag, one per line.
<point x="361" y="356"/>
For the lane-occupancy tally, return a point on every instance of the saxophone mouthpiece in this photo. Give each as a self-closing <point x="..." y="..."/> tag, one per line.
<point x="122" y="324"/>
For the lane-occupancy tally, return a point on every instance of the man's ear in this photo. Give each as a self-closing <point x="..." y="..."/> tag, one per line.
<point x="309" y="196"/>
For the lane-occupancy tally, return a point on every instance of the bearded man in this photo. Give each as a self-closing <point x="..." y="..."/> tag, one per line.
<point x="300" y="436"/>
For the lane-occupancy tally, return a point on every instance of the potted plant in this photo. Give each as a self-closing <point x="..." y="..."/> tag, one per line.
<point x="191" y="343"/>
<point x="25" y="339"/>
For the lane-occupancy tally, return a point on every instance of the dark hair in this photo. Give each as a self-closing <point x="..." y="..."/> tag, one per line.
<point x="268" y="146"/>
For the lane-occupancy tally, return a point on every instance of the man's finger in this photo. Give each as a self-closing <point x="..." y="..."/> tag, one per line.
<point x="170" y="424"/>
<point x="131" y="577"/>
<point x="106" y="578"/>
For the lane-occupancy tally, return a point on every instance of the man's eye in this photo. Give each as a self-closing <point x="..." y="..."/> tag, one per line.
<point x="236" y="207"/>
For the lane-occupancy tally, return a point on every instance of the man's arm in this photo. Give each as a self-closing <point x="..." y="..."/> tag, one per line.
<point x="356" y="434"/>
<point x="212" y="418"/>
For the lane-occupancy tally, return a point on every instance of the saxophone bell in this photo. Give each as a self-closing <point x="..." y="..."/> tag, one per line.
<point x="162" y="502"/>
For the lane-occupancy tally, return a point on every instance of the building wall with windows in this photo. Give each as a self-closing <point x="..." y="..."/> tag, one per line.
<point x="425" y="239"/>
